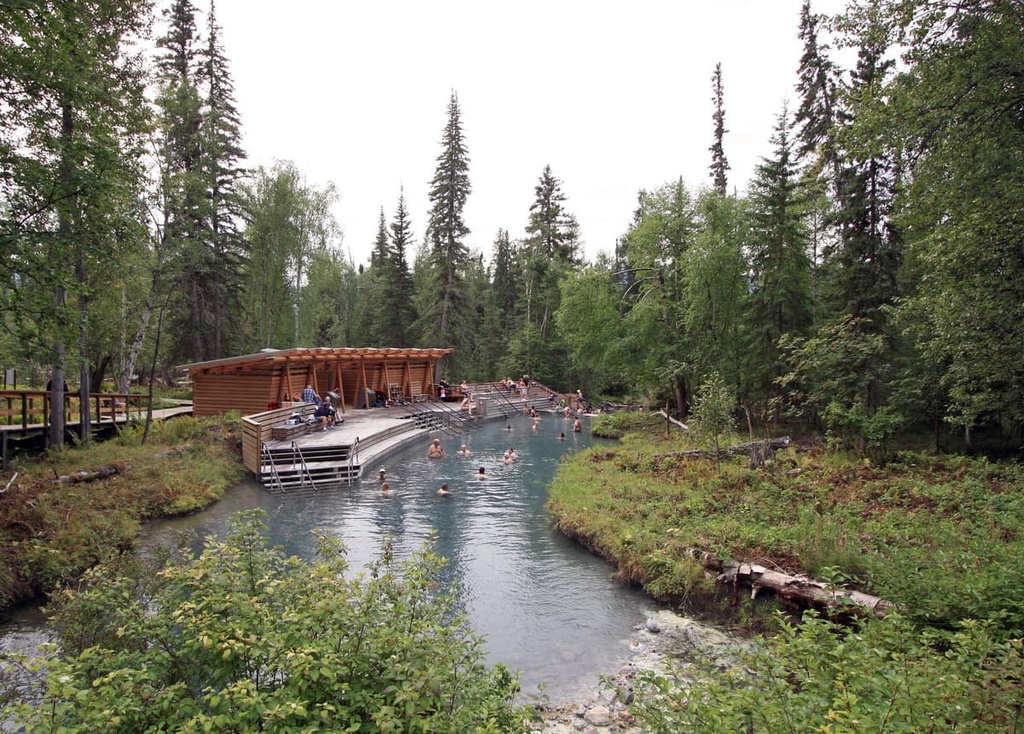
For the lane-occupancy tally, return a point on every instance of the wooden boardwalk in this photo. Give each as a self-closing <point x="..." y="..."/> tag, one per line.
<point x="25" y="408"/>
<point x="303" y="457"/>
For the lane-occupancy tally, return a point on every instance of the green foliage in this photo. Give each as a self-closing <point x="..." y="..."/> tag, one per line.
<point x="880" y="676"/>
<point x="712" y="409"/>
<point x="835" y="375"/>
<point x="620" y="423"/>
<point x="243" y="638"/>
<point x="936" y="536"/>
<point x="53" y="531"/>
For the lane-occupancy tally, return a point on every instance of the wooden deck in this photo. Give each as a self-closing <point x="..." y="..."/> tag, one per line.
<point x="341" y="455"/>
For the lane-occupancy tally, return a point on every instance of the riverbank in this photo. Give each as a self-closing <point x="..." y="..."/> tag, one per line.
<point x="70" y="509"/>
<point x="939" y="537"/>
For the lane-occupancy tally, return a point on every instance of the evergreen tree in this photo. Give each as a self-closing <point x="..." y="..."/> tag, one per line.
<point x="400" y="283"/>
<point x="865" y="266"/>
<point x="185" y="200"/>
<point x="377" y="297"/>
<point x="443" y="306"/>
<point x="719" y="163"/>
<point x="548" y="254"/>
<point x="221" y="155"/>
<point x="956" y="108"/>
<point x="505" y="281"/>
<point x="780" y="269"/>
<point x="816" y="86"/>
<point x="550" y="232"/>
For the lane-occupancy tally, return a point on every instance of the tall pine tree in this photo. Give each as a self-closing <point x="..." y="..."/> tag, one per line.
<point x="719" y="163"/>
<point x="780" y="269"/>
<point x="221" y="156"/>
<point x="443" y="307"/>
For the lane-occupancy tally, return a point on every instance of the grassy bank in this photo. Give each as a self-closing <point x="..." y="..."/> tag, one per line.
<point x="51" y="531"/>
<point x="939" y="536"/>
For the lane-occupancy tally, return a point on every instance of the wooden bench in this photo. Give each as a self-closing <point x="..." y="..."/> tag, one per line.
<point x="290" y="430"/>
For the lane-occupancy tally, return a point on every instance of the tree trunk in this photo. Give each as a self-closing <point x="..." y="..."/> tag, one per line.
<point x="85" y="384"/>
<point x="89" y="475"/>
<point x="131" y="357"/>
<point x="802" y="590"/>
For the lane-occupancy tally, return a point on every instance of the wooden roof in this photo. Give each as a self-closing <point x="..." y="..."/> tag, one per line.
<point x="302" y="355"/>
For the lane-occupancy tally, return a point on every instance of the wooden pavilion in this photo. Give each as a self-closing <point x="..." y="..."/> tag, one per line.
<point x="356" y="377"/>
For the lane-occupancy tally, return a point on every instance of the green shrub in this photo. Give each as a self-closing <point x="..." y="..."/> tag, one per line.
<point x="245" y="639"/>
<point x="883" y="676"/>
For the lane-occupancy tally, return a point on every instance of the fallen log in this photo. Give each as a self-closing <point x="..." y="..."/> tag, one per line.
<point x="753" y="448"/>
<point x="803" y="590"/>
<point x="88" y="475"/>
<point x="674" y="421"/>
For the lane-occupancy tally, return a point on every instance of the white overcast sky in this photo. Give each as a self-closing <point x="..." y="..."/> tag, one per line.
<point x="615" y="96"/>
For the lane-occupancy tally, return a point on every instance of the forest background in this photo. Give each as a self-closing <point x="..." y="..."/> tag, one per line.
<point x="868" y="281"/>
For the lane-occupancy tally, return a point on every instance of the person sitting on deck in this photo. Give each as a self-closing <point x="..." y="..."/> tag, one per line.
<point x="436" y="451"/>
<point x="325" y="413"/>
<point x="309" y="395"/>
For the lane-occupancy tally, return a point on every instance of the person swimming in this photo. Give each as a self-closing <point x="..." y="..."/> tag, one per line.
<point x="444" y="491"/>
<point x="436" y="451"/>
<point x="482" y="474"/>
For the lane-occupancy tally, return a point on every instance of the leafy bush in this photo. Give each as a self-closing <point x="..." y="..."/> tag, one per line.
<point x="620" y="423"/>
<point x="243" y="638"/>
<point x="884" y="676"/>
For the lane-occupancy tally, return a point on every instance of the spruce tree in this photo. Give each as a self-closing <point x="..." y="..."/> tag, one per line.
<point x="780" y="269"/>
<point x="443" y="306"/>
<point x="719" y="163"/>
<point x="549" y="253"/>
<point x="505" y="280"/>
<point x="866" y="265"/>
<point x="377" y="297"/>
<point x="816" y="87"/>
<point x="184" y="192"/>
<point x="222" y="153"/>
<point x="400" y="287"/>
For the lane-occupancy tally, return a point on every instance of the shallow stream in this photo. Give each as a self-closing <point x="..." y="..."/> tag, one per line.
<point x="546" y="607"/>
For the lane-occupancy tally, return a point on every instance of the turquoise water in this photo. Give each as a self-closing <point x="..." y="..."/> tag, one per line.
<point x="546" y="607"/>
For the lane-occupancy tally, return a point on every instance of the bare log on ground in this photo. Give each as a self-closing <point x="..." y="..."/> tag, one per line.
<point x="673" y="421"/>
<point x="803" y="590"/>
<point x="753" y="448"/>
<point x="89" y="475"/>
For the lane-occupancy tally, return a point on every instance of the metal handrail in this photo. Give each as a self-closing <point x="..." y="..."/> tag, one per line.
<point x="265" y="452"/>
<point x="302" y="462"/>
<point x="353" y="457"/>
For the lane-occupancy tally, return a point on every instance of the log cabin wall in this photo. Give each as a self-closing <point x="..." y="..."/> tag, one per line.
<point x="258" y="382"/>
<point x="215" y="394"/>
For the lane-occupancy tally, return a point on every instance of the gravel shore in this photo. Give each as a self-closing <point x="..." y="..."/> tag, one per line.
<point x="664" y="639"/>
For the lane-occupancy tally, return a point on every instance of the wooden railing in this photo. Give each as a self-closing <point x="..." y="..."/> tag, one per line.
<point x="31" y="408"/>
<point x="257" y="430"/>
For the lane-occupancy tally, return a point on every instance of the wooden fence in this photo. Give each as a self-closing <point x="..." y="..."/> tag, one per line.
<point x="31" y="408"/>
